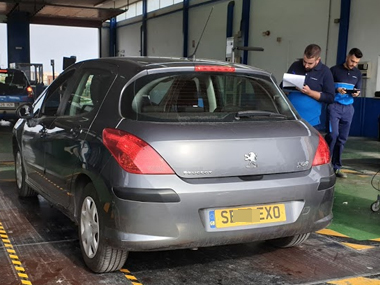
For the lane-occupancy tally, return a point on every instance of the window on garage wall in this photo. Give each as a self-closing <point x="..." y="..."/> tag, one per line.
<point x="135" y="9"/>
<point x="159" y="4"/>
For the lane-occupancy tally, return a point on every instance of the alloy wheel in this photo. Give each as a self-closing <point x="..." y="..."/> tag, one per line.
<point x="89" y="227"/>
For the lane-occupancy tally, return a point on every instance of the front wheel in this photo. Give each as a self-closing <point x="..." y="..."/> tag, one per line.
<point x="289" y="241"/>
<point x="98" y="256"/>
<point x="23" y="189"/>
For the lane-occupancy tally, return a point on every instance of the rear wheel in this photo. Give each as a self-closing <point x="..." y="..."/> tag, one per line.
<point x="98" y="256"/>
<point x="289" y="241"/>
<point x="23" y="189"/>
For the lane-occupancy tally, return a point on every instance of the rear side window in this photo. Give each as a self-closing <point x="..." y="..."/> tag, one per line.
<point x="203" y="97"/>
<point x="89" y="92"/>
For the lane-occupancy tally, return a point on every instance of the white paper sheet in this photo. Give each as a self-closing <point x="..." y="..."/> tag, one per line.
<point x="293" y="80"/>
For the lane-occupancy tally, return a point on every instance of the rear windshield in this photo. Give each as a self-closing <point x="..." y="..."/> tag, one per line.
<point x="204" y="97"/>
<point x="12" y="82"/>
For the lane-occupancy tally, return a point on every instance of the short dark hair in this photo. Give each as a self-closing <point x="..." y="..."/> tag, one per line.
<point x="312" y="51"/>
<point x="356" y="52"/>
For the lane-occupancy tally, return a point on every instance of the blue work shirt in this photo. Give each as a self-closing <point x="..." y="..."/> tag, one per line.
<point x="348" y="79"/>
<point x="318" y="79"/>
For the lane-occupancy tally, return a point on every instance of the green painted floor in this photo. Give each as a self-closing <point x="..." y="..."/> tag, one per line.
<point x="353" y="196"/>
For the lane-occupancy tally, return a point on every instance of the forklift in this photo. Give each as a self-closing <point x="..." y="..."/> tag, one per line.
<point x="35" y="73"/>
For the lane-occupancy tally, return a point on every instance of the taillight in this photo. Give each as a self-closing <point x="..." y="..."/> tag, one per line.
<point x="322" y="156"/>
<point x="133" y="154"/>
<point x="30" y="91"/>
<point x="214" y="68"/>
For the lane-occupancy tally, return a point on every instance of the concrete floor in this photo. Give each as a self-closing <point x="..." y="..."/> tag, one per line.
<point x="40" y="245"/>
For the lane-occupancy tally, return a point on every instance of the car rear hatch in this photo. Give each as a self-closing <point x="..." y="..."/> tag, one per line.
<point x="221" y="150"/>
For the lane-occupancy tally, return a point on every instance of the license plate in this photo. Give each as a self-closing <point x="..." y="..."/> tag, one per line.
<point x="9" y="105"/>
<point x="234" y="217"/>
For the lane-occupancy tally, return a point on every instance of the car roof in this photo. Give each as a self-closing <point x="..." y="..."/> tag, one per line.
<point x="148" y="62"/>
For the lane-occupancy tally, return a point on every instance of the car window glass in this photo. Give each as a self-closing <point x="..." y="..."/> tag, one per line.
<point x="90" y="90"/>
<point x="54" y="96"/>
<point x="203" y="96"/>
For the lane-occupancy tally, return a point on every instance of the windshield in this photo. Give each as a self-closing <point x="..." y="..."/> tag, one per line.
<point x="204" y="97"/>
<point x="12" y="82"/>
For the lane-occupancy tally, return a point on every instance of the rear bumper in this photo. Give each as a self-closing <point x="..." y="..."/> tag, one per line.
<point x="142" y="226"/>
<point x="8" y="113"/>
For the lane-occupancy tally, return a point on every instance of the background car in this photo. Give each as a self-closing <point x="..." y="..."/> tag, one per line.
<point x="163" y="153"/>
<point x="15" y="90"/>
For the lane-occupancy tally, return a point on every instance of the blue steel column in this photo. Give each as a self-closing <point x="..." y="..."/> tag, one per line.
<point x="345" y="7"/>
<point x="230" y="18"/>
<point x="185" y="27"/>
<point x="112" y="50"/>
<point x="18" y="38"/>
<point x="144" y="36"/>
<point x="245" y="27"/>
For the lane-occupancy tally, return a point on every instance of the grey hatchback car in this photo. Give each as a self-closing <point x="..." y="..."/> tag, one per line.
<point x="166" y="153"/>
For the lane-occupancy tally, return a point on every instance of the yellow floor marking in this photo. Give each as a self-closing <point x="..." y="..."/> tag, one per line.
<point x="329" y="232"/>
<point x="357" y="246"/>
<point x="16" y="262"/>
<point x="349" y="171"/>
<point x="14" y="257"/>
<point x="355" y="281"/>
<point x="130" y="277"/>
<point x="19" y="268"/>
<point x="375" y="239"/>
<point x="23" y="275"/>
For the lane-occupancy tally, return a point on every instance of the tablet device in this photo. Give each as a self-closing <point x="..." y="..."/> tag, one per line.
<point x="351" y="91"/>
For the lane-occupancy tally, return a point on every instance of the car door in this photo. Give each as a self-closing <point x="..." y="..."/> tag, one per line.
<point x="69" y="149"/>
<point x="34" y="142"/>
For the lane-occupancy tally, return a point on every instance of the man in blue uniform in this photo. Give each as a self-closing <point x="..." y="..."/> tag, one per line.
<point x="348" y="81"/>
<point x="318" y="87"/>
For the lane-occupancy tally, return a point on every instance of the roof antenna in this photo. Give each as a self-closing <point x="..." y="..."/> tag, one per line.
<point x="200" y="38"/>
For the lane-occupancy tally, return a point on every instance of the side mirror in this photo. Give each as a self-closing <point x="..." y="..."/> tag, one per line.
<point x="25" y="111"/>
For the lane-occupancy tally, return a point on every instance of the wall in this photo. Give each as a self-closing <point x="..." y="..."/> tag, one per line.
<point x="213" y="43"/>
<point x="164" y="38"/>
<point x="128" y="39"/>
<point x="363" y="33"/>
<point x="292" y="25"/>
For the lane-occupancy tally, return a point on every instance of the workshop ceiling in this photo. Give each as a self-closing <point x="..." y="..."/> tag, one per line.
<point x="83" y="13"/>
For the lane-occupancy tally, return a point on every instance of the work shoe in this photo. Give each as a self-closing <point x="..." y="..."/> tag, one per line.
<point x="340" y="174"/>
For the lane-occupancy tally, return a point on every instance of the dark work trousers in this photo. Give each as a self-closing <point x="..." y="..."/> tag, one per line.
<point x="340" y="118"/>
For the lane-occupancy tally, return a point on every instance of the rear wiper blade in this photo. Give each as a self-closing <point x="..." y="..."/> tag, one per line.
<point x="252" y="113"/>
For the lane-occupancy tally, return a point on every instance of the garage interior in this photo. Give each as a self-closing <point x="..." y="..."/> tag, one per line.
<point x="344" y="253"/>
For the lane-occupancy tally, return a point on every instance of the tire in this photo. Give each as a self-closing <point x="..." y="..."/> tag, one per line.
<point x="375" y="207"/>
<point x="23" y="189"/>
<point x="289" y="241"/>
<point x="98" y="256"/>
